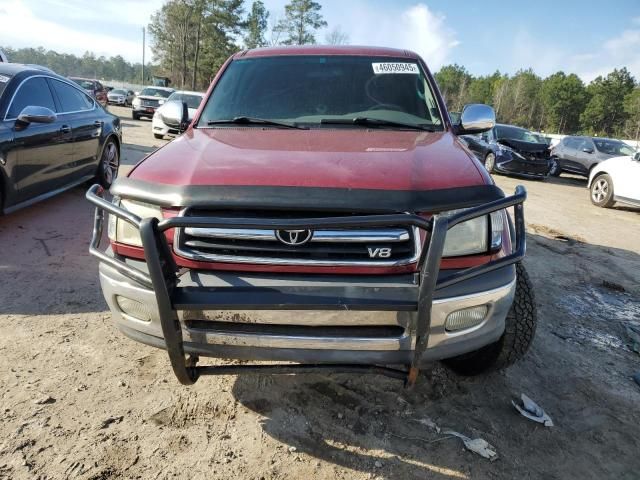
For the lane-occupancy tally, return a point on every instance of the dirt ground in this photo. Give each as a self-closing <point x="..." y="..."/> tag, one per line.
<point x="79" y="400"/>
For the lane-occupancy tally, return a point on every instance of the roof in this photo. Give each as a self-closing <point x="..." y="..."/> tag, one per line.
<point x="189" y="92"/>
<point x="168" y="89"/>
<point x="328" y="50"/>
<point x="13" y="69"/>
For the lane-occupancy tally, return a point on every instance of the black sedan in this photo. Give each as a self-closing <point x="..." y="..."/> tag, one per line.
<point x="53" y="136"/>
<point x="511" y="150"/>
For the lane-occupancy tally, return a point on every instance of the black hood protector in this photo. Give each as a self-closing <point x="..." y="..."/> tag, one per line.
<point x="317" y="199"/>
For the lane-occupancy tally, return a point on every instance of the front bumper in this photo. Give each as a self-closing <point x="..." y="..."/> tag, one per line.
<point x="144" y="111"/>
<point x="369" y="336"/>
<point x="160" y="128"/>
<point x="350" y="323"/>
<point x="512" y="165"/>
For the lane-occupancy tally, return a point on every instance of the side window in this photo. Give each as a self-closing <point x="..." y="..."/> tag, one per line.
<point x="34" y="92"/>
<point x="572" y="142"/>
<point x="71" y="99"/>
<point x="586" y="144"/>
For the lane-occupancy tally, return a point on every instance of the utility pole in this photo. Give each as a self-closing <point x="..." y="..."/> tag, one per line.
<point x="143" y="82"/>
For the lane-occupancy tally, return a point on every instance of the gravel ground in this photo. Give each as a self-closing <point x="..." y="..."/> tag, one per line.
<point x="79" y="400"/>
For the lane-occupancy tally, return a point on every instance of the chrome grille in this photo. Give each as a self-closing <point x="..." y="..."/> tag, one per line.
<point x="325" y="247"/>
<point x="150" y="103"/>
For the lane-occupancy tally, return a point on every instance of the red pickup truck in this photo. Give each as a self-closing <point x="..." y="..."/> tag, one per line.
<point x="318" y="210"/>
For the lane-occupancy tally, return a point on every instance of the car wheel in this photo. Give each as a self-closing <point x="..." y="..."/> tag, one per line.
<point x="602" y="191"/>
<point x="555" y="170"/>
<point x="109" y="164"/>
<point x="519" y="331"/>
<point x="158" y="136"/>
<point x="490" y="162"/>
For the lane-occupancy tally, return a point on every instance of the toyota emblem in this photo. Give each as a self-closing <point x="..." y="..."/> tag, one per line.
<point x="294" y="238"/>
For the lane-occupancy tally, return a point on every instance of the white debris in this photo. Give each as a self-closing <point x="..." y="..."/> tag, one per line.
<point x="532" y="411"/>
<point x="476" y="445"/>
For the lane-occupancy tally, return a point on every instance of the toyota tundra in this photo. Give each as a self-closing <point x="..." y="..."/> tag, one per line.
<point x="319" y="213"/>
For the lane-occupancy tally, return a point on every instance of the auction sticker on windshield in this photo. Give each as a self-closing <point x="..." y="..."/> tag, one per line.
<point x="387" y="67"/>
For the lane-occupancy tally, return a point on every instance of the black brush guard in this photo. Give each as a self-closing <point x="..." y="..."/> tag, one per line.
<point x="163" y="274"/>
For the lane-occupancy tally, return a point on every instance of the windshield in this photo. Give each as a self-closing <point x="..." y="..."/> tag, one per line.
<point x="86" y="84"/>
<point x="613" y="147"/>
<point x="155" y="92"/>
<point x="119" y="92"/>
<point x="310" y="89"/>
<point x="192" y="100"/>
<point x="504" y="132"/>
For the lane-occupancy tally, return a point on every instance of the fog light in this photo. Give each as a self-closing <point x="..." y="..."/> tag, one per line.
<point x="133" y="308"/>
<point x="466" y="318"/>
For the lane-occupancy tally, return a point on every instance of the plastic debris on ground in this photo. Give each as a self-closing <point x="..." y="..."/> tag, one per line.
<point x="476" y="445"/>
<point x="530" y="409"/>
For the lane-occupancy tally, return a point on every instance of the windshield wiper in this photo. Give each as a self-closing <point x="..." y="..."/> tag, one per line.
<point x="375" y="122"/>
<point x="256" y="121"/>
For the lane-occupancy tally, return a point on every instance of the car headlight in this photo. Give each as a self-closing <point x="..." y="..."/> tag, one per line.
<point x="504" y="149"/>
<point x="136" y="102"/>
<point x="160" y="102"/>
<point x="122" y="231"/>
<point x="478" y="235"/>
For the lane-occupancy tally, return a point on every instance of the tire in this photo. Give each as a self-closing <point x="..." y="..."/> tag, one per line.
<point x="601" y="191"/>
<point x="490" y="162"/>
<point x="520" y="329"/>
<point x="135" y="116"/>
<point x="109" y="163"/>
<point x="158" y="136"/>
<point x="555" y="168"/>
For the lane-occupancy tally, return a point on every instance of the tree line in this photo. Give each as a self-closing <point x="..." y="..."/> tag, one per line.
<point x="560" y="103"/>
<point x="87" y="65"/>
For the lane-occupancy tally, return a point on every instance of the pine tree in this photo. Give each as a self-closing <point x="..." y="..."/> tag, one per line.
<point x="302" y="19"/>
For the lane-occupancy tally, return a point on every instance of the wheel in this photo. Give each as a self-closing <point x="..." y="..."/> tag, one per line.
<point x="109" y="164"/>
<point x="555" y="168"/>
<point x="158" y="136"/>
<point x="520" y="328"/>
<point x="490" y="162"/>
<point x="602" y="191"/>
<point x="135" y="116"/>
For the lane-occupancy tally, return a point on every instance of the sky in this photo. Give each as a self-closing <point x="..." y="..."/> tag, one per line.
<point x="588" y="38"/>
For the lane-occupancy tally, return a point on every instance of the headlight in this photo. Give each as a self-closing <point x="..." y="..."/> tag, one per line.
<point x="122" y="231"/>
<point x="479" y="235"/>
<point x="160" y="102"/>
<point x="505" y="149"/>
<point x="136" y="102"/>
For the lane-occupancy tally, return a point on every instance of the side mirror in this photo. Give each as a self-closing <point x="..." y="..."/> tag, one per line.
<point x="587" y="150"/>
<point x="176" y="114"/>
<point x="33" y="114"/>
<point x="475" y="118"/>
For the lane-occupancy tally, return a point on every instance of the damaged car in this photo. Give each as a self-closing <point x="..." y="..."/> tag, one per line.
<point x="511" y="150"/>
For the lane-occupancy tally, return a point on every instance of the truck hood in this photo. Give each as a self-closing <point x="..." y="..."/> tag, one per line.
<point x="326" y="158"/>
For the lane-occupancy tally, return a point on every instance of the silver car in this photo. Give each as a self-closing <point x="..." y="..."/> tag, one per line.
<point x="578" y="155"/>
<point x="120" y="96"/>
